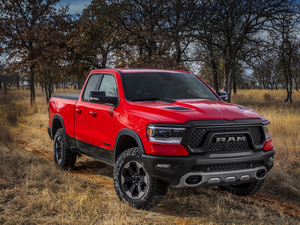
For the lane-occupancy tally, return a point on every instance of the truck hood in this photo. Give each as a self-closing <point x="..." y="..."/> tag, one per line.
<point x="186" y="110"/>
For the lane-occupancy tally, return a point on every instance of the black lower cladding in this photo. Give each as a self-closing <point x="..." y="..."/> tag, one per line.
<point x="180" y="165"/>
<point x="104" y="155"/>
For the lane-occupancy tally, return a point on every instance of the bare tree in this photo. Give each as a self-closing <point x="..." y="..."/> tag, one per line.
<point x="284" y="42"/>
<point x="232" y="23"/>
<point x="101" y="35"/>
<point x="22" y="21"/>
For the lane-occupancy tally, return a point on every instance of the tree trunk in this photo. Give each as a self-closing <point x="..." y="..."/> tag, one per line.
<point x="50" y="86"/>
<point x="287" y="88"/>
<point x="291" y="84"/>
<point x="230" y="69"/>
<point x="31" y="86"/>
<point x="234" y="84"/>
<point x="296" y="84"/>
<point x="5" y="91"/>
<point x="0" y="83"/>
<point x="215" y="78"/>
<point x="18" y="85"/>
<point x="45" y="83"/>
<point x="178" y="52"/>
<point x="227" y="81"/>
<point x="214" y="70"/>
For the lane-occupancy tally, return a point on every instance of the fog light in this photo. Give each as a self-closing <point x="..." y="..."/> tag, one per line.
<point x="261" y="173"/>
<point x="193" y="179"/>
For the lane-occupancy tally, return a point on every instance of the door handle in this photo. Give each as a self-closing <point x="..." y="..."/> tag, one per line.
<point x="94" y="114"/>
<point x="78" y="110"/>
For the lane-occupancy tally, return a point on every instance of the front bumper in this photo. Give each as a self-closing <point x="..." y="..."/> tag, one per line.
<point x="231" y="168"/>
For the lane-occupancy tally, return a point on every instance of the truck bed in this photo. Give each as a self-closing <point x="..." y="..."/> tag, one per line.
<point x="69" y="97"/>
<point x="62" y="107"/>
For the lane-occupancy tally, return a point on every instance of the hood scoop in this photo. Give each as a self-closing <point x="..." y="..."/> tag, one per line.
<point x="177" y="108"/>
<point x="242" y="107"/>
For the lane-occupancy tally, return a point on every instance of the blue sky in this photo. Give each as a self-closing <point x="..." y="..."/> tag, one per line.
<point x="76" y="6"/>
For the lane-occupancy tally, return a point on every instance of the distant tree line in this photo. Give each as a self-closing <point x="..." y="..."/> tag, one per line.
<point x="230" y="43"/>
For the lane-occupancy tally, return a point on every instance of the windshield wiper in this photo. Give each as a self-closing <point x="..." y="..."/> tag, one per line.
<point x="168" y="100"/>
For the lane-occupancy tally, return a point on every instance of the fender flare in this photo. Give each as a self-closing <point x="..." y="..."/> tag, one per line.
<point x="131" y="133"/>
<point x="59" y="117"/>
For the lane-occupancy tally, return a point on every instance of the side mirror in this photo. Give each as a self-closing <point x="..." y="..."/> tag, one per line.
<point x="223" y="95"/>
<point x="100" y="97"/>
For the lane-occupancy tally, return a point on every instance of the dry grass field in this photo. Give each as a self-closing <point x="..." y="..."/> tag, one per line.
<point x="34" y="191"/>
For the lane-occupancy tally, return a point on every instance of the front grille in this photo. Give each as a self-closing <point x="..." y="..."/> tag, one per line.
<point x="256" y="135"/>
<point x="198" y="136"/>
<point x="227" y="146"/>
<point x="226" y="167"/>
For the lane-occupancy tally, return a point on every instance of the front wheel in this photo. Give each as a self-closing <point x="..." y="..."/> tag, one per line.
<point x="245" y="189"/>
<point x="133" y="184"/>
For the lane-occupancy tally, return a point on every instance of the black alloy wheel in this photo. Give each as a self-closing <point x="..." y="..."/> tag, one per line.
<point x="58" y="150"/>
<point x="133" y="183"/>
<point x="134" y="179"/>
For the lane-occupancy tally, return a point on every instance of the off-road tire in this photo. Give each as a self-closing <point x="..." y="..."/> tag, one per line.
<point x="154" y="190"/>
<point x="63" y="157"/>
<point x="245" y="189"/>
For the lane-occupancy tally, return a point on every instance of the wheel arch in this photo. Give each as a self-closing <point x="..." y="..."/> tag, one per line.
<point x="57" y="123"/>
<point x="125" y="139"/>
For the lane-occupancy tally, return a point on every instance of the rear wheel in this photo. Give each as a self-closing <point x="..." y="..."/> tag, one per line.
<point x="245" y="189"/>
<point x="63" y="157"/>
<point x="133" y="184"/>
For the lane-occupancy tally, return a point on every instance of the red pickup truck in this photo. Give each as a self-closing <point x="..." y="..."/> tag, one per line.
<point x="161" y="128"/>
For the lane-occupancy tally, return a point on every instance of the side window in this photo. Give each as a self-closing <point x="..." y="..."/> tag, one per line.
<point x="90" y="86"/>
<point x="109" y="85"/>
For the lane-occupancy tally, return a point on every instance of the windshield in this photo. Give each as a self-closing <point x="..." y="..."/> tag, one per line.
<point x="154" y="86"/>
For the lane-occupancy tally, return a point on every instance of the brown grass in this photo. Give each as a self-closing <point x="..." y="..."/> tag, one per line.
<point x="5" y="134"/>
<point x="34" y="191"/>
<point x="284" y="180"/>
<point x="12" y="118"/>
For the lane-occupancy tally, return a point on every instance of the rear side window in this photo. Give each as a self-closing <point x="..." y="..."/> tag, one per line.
<point x="109" y="85"/>
<point x="91" y="86"/>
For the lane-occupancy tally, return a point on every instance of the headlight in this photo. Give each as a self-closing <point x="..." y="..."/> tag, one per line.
<point x="267" y="133"/>
<point x="165" y="134"/>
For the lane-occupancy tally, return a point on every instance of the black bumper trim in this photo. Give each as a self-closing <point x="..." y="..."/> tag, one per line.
<point x="181" y="165"/>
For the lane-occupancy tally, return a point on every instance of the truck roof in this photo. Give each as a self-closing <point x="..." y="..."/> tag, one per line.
<point x="128" y="70"/>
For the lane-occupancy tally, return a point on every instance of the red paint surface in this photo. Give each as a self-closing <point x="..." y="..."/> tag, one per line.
<point x="105" y="126"/>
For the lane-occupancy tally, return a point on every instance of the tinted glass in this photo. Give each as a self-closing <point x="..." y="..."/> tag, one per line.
<point x="91" y="86"/>
<point x="109" y="85"/>
<point x="149" y="86"/>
